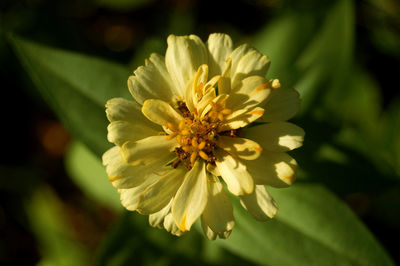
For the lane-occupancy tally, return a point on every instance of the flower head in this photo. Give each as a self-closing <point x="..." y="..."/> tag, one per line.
<point x="190" y="130"/>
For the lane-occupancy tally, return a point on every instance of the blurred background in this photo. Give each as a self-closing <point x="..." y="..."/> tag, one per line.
<point x="57" y="207"/>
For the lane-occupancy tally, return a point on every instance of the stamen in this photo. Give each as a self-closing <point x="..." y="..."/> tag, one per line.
<point x="186" y="148"/>
<point x="203" y="155"/>
<point x="171" y="126"/>
<point x="181" y="124"/>
<point x="193" y="157"/>
<point x="185" y="132"/>
<point x="226" y="111"/>
<point x="171" y="136"/>
<point x="194" y="142"/>
<point x="202" y="145"/>
<point x="276" y="84"/>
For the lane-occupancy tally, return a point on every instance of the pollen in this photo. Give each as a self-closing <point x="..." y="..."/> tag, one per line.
<point x="197" y="134"/>
<point x="275" y="84"/>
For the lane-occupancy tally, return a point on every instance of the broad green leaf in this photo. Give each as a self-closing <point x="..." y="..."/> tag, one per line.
<point x="326" y="63"/>
<point x="133" y="242"/>
<point x="76" y="87"/>
<point x="312" y="227"/>
<point x="57" y="243"/>
<point x="89" y="174"/>
<point x="283" y="40"/>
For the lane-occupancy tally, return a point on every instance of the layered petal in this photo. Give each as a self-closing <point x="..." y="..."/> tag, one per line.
<point x="249" y="92"/>
<point x="170" y="225"/>
<point x="240" y="147"/>
<point x="234" y="173"/>
<point x="157" y="219"/>
<point x="120" y="132"/>
<point x="276" y="136"/>
<point x="160" y="112"/>
<point x="191" y="198"/>
<point x="153" y="81"/>
<point x="220" y="47"/>
<point x="281" y="105"/>
<point x="120" y="109"/>
<point x="211" y="234"/>
<point x="259" y="204"/>
<point x="241" y="118"/>
<point x="218" y="214"/>
<point x="276" y="169"/>
<point x="158" y="195"/>
<point x="130" y="197"/>
<point x="148" y="150"/>
<point x="183" y="57"/>
<point x="246" y="61"/>
<point x="124" y="175"/>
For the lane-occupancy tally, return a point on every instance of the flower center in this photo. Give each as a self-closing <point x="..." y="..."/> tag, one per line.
<point x="197" y="134"/>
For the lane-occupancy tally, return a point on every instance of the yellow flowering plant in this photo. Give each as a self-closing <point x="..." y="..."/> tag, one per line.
<point x="202" y="116"/>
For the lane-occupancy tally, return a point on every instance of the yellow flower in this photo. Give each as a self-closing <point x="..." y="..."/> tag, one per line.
<point x="193" y="133"/>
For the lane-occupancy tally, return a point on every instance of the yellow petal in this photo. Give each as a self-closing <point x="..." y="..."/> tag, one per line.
<point x="124" y="175"/>
<point x="158" y="195"/>
<point x="157" y="219"/>
<point x="183" y="57"/>
<point x="276" y="169"/>
<point x="241" y="118"/>
<point x="234" y="173"/>
<point x="119" y="109"/>
<point x="120" y="132"/>
<point x="276" y="136"/>
<point x="170" y="226"/>
<point x="251" y="91"/>
<point x="247" y="61"/>
<point x="191" y="198"/>
<point x="240" y="147"/>
<point x="130" y="197"/>
<point x="281" y="105"/>
<point x="152" y="81"/>
<point x="218" y="214"/>
<point x="259" y="204"/>
<point x="220" y="47"/>
<point x="148" y="150"/>
<point x="161" y="113"/>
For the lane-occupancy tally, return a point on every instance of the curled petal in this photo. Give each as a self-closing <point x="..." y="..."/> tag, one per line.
<point x="152" y="81"/>
<point x="220" y="47"/>
<point x="247" y="61"/>
<point x="183" y="57"/>
<point x="160" y="112"/>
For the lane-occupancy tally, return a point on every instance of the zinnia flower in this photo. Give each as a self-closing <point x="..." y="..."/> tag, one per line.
<point x="190" y="131"/>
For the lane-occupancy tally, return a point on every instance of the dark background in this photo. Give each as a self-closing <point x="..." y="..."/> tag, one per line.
<point x="34" y="142"/>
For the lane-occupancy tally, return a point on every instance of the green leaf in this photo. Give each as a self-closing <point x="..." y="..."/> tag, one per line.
<point x="89" y="174"/>
<point x="283" y="40"/>
<point x="312" y="227"/>
<point x="57" y="243"/>
<point x="76" y="87"/>
<point x="326" y="63"/>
